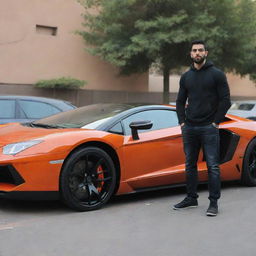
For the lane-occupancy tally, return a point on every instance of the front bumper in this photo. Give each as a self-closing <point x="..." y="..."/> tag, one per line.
<point x="32" y="177"/>
<point x="10" y="179"/>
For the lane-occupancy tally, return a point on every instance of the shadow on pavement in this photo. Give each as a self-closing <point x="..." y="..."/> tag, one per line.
<point x="58" y="207"/>
<point x="32" y="206"/>
<point x="167" y="192"/>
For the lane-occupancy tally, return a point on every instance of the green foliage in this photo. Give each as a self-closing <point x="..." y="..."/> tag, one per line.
<point x="134" y="34"/>
<point x="61" y="83"/>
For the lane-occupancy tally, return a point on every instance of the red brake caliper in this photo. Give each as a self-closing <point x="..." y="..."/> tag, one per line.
<point x="100" y="177"/>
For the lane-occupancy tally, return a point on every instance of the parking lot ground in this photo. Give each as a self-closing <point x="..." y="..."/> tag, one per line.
<point x="136" y="224"/>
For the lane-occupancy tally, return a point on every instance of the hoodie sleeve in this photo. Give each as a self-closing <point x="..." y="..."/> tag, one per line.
<point x="224" y="97"/>
<point x="181" y="101"/>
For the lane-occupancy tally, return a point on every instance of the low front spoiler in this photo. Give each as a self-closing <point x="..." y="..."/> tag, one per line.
<point x="31" y="195"/>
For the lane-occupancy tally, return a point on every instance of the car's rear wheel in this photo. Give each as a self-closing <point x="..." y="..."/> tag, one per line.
<point x="88" y="179"/>
<point x="249" y="165"/>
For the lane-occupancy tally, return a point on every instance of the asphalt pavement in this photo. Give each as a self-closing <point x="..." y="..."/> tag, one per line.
<point x="138" y="224"/>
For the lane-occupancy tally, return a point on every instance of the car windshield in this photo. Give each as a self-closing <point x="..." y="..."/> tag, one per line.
<point x="88" y="117"/>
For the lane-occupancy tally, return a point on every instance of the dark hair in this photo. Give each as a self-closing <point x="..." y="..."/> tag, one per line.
<point x="198" y="42"/>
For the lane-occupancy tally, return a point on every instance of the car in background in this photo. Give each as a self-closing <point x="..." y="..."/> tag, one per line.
<point x="14" y="108"/>
<point x="244" y="108"/>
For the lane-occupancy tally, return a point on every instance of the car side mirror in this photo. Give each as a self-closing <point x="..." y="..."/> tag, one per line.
<point x="139" y="125"/>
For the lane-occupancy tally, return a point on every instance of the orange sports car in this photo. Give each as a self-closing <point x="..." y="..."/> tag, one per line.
<point x="86" y="155"/>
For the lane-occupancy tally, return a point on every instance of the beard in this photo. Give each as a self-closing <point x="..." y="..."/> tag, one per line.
<point x="199" y="60"/>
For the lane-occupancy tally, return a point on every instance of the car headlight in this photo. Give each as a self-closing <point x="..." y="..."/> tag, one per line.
<point x="15" y="148"/>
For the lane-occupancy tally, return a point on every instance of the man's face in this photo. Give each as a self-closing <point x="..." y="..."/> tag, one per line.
<point x="198" y="53"/>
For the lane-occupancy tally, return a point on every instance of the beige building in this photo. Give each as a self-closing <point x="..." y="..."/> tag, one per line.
<point x="37" y="41"/>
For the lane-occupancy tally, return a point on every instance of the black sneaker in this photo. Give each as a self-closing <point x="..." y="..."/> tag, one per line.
<point x="188" y="202"/>
<point x="212" y="209"/>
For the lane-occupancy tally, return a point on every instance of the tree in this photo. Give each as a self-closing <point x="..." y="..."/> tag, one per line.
<point x="134" y="34"/>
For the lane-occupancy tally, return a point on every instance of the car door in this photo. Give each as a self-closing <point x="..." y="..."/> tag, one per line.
<point x="157" y="157"/>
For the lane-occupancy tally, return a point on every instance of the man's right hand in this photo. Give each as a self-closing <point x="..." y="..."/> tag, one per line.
<point x="182" y="124"/>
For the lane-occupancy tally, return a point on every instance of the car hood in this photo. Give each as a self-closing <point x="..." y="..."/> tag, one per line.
<point x="16" y="133"/>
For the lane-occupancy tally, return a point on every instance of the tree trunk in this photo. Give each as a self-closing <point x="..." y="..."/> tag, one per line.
<point x="166" y="74"/>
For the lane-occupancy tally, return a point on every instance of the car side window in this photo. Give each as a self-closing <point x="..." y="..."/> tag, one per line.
<point x="246" y="106"/>
<point x="117" y="128"/>
<point x="7" y="108"/>
<point x="35" y="110"/>
<point x="161" y="118"/>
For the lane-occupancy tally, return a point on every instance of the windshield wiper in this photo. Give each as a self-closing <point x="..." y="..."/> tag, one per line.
<point x="46" y="126"/>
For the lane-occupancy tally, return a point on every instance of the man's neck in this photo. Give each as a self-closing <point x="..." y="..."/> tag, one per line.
<point x="199" y="66"/>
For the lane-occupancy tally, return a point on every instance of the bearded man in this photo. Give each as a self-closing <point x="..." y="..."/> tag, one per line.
<point x="205" y="90"/>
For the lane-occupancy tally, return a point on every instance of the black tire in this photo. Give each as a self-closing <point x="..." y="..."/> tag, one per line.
<point x="88" y="179"/>
<point x="249" y="165"/>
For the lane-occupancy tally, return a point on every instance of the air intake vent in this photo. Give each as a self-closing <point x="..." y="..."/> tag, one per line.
<point x="8" y="174"/>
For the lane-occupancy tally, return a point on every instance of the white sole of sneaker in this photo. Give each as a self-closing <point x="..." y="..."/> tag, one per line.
<point x="211" y="214"/>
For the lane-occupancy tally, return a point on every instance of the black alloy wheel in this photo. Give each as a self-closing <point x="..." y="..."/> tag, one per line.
<point x="88" y="179"/>
<point x="249" y="165"/>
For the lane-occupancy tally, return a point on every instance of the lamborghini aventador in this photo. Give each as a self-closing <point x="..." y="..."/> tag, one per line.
<point x="86" y="155"/>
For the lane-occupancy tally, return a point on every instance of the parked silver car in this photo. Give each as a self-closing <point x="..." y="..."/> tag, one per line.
<point x="244" y="108"/>
<point x="14" y="108"/>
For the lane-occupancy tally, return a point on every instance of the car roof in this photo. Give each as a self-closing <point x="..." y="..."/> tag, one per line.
<point x="244" y="101"/>
<point x="37" y="98"/>
<point x="28" y="97"/>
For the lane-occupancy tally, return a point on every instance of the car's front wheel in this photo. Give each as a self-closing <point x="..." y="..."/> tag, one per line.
<point x="88" y="179"/>
<point x="249" y="165"/>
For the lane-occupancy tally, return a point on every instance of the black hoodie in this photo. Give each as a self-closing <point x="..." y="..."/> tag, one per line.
<point x="207" y="95"/>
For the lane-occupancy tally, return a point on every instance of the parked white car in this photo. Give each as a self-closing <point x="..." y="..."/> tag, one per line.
<point x="244" y="108"/>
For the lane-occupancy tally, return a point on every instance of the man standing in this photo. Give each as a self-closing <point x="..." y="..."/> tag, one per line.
<point x="205" y="90"/>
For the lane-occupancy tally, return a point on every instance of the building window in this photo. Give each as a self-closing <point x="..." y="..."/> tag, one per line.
<point x="46" y="30"/>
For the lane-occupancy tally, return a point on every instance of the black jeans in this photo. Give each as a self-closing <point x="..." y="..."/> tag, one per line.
<point x="207" y="137"/>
